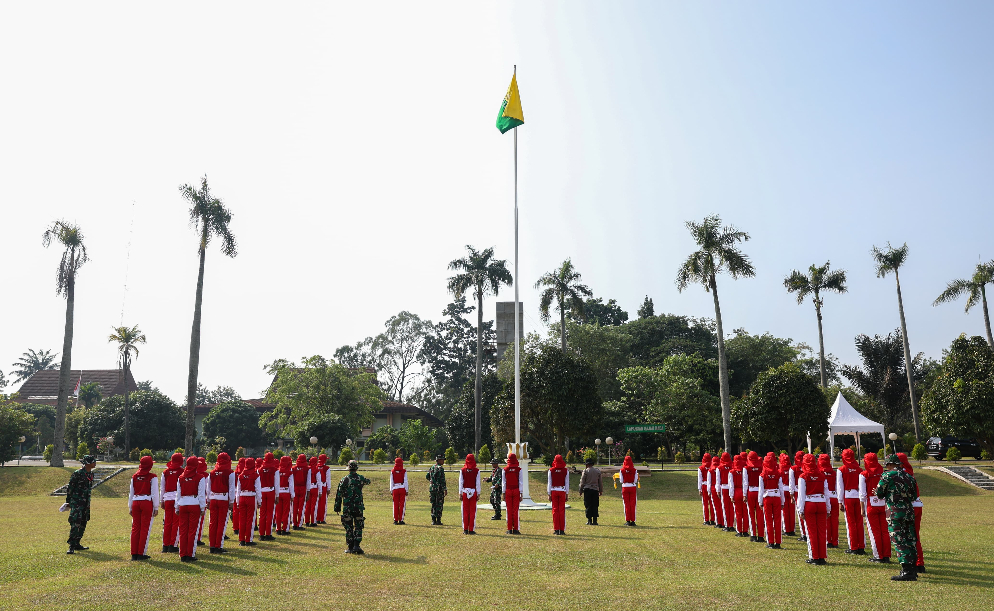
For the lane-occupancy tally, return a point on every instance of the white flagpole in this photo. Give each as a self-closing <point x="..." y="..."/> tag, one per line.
<point x="517" y="319"/>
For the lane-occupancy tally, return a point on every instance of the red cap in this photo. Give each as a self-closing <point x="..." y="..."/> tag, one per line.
<point x="470" y="462"/>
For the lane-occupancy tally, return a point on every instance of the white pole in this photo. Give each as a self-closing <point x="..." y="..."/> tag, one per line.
<point x="517" y="306"/>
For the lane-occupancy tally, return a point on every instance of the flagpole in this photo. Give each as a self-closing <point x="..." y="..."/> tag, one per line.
<point x="517" y="315"/>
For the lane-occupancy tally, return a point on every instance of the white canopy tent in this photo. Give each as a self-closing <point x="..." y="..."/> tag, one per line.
<point x="845" y="420"/>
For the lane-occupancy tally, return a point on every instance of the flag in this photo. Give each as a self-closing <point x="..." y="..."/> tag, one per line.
<point x="75" y="391"/>
<point x="510" y="115"/>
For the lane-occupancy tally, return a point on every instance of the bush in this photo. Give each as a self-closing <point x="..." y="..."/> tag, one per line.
<point x="570" y="459"/>
<point x="818" y="451"/>
<point x="211" y="457"/>
<point x="49" y="450"/>
<point x="413" y="460"/>
<point x="483" y="456"/>
<point x="954" y="454"/>
<point x="82" y="450"/>
<point x="345" y="456"/>
<point x="660" y="453"/>
<point x="985" y="455"/>
<point x="590" y="454"/>
<point x="919" y="453"/>
<point x="426" y="456"/>
<point x="379" y="456"/>
<point x="135" y="454"/>
<point x="547" y="460"/>
<point x="679" y="458"/>
<point x="240" y="452"/>
<point x="450" y="456"/>
<point x="179" y="451"/>
<point x="161" y="456"/>
<point x="146" y="452"/>
<point x="278" y="454"/>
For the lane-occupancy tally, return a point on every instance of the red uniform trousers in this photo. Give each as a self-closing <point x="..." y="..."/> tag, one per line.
<point x="833" y="521"/>
<point x="771" y="511"/>
<point x="170" y="524"/>
<point x="727" y="507"/>
<point x="512" y="498"/>
<point x="219" y="520"/>
<point x="741" y="517"/>
<point x="267" y="513"/>
<point x="235" y="516"/>
<point x="298" y="508"/>
<point x="918" y="536"/>
<point x="189" y="519"/>
<point x="322" y="509"/>
<point x="399" y="504"/>
<point x="141" y="526"/>
<point x="558" y="510"/>
<point x="200" y="527"/>
<point x="788" y="514"/>
<point x="815" y="521"/>
<point x="246" y="515"/>
<point x="283" y="512"/>
<point x="802" y="523"/>
<point x="755" y="514"/>
<point x="716" y="509"/>
<point x="854" y="524"/>
<point x="310" y="505"/>
<point x="706" y="503"/>
<point x="629" y="496"/>
<point x="469" y="511"/>
<point x="876" y="524"/>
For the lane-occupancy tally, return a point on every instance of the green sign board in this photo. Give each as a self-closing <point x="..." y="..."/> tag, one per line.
<point x="645" y="428"/>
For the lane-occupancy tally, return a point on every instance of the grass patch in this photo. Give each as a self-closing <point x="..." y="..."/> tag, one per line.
<point x="669" y="562"/>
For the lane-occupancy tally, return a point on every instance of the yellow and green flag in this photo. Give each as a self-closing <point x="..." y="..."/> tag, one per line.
<point x="510" y="115"/>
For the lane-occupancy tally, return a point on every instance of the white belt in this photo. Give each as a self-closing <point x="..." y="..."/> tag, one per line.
<point x="624" y="485"/>
<point x="219" y="496"/>
<point x="169" y="496"/>
<point x="725" y="487"/>
<point x="396" y="486"/>
<point x="269" y="489"/>
<point x="468" y="491"/>
<point x="284" y="490"/>
<point x="852" y="494"/>
<point x="877" y="502"/>
<point x="563" y="488"/>
<point x="815" y="497"/>
<point x="146" y="497"/>
<point x="753" y="488"/>
<point x="917" y="502"/>
<point x="772" y="493"/>
<point x="243" y="493"/>
<point x="312" y="486"/>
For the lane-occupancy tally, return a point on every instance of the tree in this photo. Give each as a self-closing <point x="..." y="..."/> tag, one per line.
<point x="481" y="274"/>
<point x="783" y="403"/>
<point x="384" y="438"/>
<point x="459" y="427"/>
<point x="3" y="381"/>
<point x="717" y="253"/>
<point x="657" y="337"/>
<point x="89" y="394"/>
<point x="43" y="430"/>
<point x="210" y="219"/>
<point x="595" y="311"/>
<point x="958" y="403"/>
<point x="221" y="394"/>
<point x="127" y="346"/>
<point x="73" y="257"/>
<point x="647" y="310"/>
<point x="890" y="260"/>
<point x="976" y="292"/>
<point x="416" y="437"/>
<point x="750" y="355"/>
<point x="882" y="376"/>
<point x="563" y="287"/>
<point x="237" y="422"/>
<point x="32" y="362"/>
<point x="401" y="347"/>
<point x="815" y="282"/>
<point x="156" y="420"/>
<point x="14" y="424"/>
<point x="607" y="349"/>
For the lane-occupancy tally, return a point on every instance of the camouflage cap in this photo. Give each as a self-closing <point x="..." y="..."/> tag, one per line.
<point x="439" y="457"/>
<point x="353" y="465"/>
<point x="893" y="460"/>
<point x="494" y="461"/>
<point x="88" y="460"/>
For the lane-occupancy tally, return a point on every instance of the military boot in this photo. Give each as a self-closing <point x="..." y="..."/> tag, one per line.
<point x="907" y="573"/>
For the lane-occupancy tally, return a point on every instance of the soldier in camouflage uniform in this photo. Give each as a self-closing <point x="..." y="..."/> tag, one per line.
<point x="898" y="489"/>
<point x="78" y="502"/>
<point x="495" y="490"/>
<point x="348" y="502"/>
<point x="436" y="489"/>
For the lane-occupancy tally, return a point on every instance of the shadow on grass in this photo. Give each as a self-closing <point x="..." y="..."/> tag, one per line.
<point x="396" y="559"/>
<point x="961" y="573"/>
<point x="177" y="567"/>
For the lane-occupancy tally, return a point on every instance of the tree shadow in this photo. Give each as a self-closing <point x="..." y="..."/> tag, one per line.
<point x="397" y="559"/>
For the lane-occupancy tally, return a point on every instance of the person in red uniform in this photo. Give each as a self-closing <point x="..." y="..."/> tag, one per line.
<point x="771" y="494"/>
<point x="812" y="507"/>
<point x="313" y="491"/>
<point x="727" y="509"/>
<point x="267" y="491"/>
<point x="917" y="506"/>
<point x="750" y="483"/>
<point x="190" y="503"/>
<point x="285" y="493"/>
<point x="715" y="484"/>
<point x="825" y="464"/>
<point x="735" y="481"/>
<point x="704" y="487"/>
<point x="787" y="485"/>
<point x="301" y="475"/>
<point x="202" y="472"/>
<point x="874" y="509"/>
<point x="249" y="493"/>
<point x="847" y="493"/>
<point x="235" y="516"/>
<point x="629" y="476"/>
<point x="558" y="489"/>
<point x="220" y="494"/>
<point x="469" y="494"/>
<point x="398" y="490"/>
<point x="168" y="494"/>
<point x="143" y="504"/>
<point x="512" y="482"/>
<point x="322" y="509"/>
<point x="796" y="472"/>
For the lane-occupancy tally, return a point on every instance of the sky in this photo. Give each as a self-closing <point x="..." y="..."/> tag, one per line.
<point x="354" y="144"/>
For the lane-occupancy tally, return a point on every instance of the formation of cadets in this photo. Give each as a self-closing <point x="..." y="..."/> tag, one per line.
<point x="759" y="499"/>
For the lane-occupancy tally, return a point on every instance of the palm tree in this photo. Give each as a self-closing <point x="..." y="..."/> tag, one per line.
<point x="481" y="274"/>
<point x="563" y="287"/>
<point x="127" y="344"/>
<point x="73" y="257"/>
<point x="975" y="291"/>
<point x="890" y="260"/>
<point x="32" y="362"/>
<point x="818" y="279"/>
<point x="210" y="218"/>
<point x="717" y="253"/>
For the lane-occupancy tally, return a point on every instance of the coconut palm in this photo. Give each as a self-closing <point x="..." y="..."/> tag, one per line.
<point x="816" y="281"/>
<point x="717" y="253"/>
<point x="889" y="260"/>
<point x="562" y="286"/>
<point x="210" y="218"/>
<point x="481" y="274"/>
<point x="975" y="290"/>
<point x="127" y="345"/>
<point x="73" y="257"/>
<point x="32" y="362"/>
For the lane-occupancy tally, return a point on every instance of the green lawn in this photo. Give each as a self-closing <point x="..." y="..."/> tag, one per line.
<point x="669" y="561"/>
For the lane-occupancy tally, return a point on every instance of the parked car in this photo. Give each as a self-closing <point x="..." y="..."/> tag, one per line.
<point x="938" y="446"/>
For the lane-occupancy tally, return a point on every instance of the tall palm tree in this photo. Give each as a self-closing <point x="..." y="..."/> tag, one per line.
<point x="562" y="286"/>
<point x="817" y="280"/>
<point x="73" y="257"/>
<point x="480" y="273"/>
<point x="32" y="362"/>
<point x="127" y="345"/>
<point x="210" y="218"/>
<point x="889" y="260"/>
<point x="717" y="253"/>
<point x="975" y="290"/>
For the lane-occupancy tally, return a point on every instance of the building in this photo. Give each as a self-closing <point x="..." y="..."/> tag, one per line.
<point x="43" y="386"/>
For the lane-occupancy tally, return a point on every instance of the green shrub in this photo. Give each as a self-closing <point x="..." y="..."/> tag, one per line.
<point x="82" y="450"/>
<point x="146" y="452"/>
<point x="211" y="457"/>
<point x="818" y="451"/>
<point x="954" y="454"/>
<point x="398" y="453"/>
<point x="426" y="456"/>
<point x="278" y="454"/>
<point x="134" y="454"/>
<point x="49" y="450"/>
<point x="985" y="455"/>
<point x="590" y="454"/>
<point x="450" y="456"/>
<point x="547" y="460"/>
<point x="240" y="452"/>
<point x="161" y="456"/>
<point x="679" y="458"/>
<point x="660" y="453"/>
<point x="483" y="456"/>
<point x="919" y="453"/>
<point x="345" y="456"/>
<point x="413" y="460"/>
<point x="379" y="456"/>
<point x="570" y="459"/>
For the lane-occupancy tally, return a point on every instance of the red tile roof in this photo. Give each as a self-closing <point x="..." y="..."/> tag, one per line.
<point x="43" y="386"/>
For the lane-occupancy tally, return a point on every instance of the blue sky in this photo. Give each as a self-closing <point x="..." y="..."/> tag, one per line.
<point x="356" y="148"/>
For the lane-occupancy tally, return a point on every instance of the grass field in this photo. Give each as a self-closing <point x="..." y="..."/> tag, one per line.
<point x="669" y="562"/>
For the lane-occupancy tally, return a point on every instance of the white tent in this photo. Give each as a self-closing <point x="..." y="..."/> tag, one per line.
<point x="845" y="420"/>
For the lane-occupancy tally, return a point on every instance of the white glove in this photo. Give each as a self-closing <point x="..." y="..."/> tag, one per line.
<point x="64" y="508"/>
